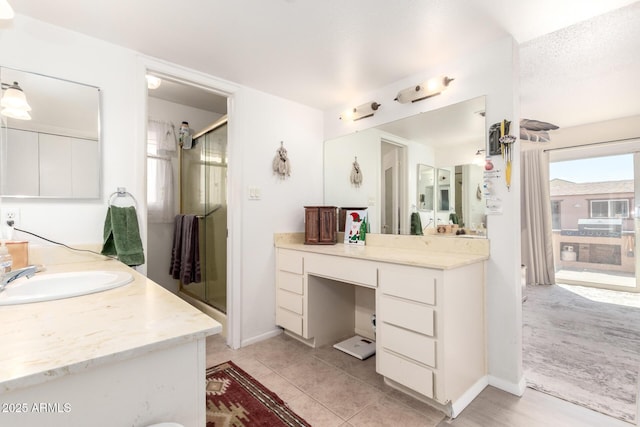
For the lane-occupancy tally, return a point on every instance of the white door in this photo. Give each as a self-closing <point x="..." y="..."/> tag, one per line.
<point x="391" y="207"/>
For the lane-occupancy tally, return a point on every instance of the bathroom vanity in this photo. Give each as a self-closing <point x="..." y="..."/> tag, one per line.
<point x="428" y="296"/>
<point x="134" y="356"/>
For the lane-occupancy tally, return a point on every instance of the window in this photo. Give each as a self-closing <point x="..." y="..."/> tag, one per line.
<point x="161" y="147"/>
<point x="615" y="208"/>
<point x="597" y="242"/>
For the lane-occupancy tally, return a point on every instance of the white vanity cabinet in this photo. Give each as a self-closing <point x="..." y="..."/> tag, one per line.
<point x="431" y="334"/>
<point x="290" y="294"/>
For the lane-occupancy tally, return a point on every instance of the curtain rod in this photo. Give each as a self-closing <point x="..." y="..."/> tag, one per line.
<point x="592" y="144"/>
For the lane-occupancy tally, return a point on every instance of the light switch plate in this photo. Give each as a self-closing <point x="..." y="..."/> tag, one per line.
<point x="255" y="193"/>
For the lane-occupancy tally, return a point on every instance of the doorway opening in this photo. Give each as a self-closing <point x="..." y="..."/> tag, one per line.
<point x="581" y="338"/>
<point x="186" y="178"/>
<point x="393" y="209"/>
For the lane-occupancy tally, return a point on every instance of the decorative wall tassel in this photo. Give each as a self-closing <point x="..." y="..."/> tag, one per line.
<point x="356" y="173"/>
<point x="281" y="164"/>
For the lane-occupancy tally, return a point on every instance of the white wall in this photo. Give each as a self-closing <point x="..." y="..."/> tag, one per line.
<point x="492" y="71"/>
<point x="267" y="120"/>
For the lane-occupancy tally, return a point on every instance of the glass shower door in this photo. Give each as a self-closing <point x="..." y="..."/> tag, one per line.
<point x="204" y="193"/>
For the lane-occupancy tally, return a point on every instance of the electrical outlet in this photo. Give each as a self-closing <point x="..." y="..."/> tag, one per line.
<point x="10" y="214"/>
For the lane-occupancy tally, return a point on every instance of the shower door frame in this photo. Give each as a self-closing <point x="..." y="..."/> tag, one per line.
<point x="222" y="121"/>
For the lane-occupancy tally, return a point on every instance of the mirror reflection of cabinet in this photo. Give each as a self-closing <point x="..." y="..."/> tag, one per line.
<point x="444" y="190"/>
<point x="45" y="165"/>
<point x="56" y="154"/>
<point x="426" y="183"/>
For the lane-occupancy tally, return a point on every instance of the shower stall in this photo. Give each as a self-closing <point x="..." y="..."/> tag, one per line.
<point x="203" y="192"/>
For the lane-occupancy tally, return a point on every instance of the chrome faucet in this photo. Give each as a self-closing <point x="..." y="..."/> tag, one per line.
<point x="16" y="274"/>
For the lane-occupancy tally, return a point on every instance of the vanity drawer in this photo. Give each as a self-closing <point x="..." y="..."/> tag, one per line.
<point x="290" y="301"/>
<point x="417" y="284"/>
<point x="288" y="320"/>
<point x="407" y="314"/>
<point x="408" y="343"/>
<point x="291" y="282"/>
<point x="407" y="373"/>
<point x="291" y="261"/>
<point x="348" y="270"/>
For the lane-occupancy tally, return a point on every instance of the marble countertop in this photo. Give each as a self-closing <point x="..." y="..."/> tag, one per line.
<point x="397" y="255"/>
<point x="44" y="340"/>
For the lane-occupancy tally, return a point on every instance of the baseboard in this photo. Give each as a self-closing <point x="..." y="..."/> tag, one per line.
<point x="513" y="388"/>
<point x="468" y="396"/>
<point x="451" y="409"/>
<point x="445" y="409"/>
<point x="270" y="334"/>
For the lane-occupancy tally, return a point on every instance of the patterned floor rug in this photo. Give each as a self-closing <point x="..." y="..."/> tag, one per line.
<point x="236" y="399"/>
<point x="580" y="350"/>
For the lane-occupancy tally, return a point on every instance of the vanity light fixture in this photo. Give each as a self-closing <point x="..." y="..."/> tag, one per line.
<point x="361" y="111"/>
<point x="14" y="102"/>
<point x="431" y="87"/>
<point x="6" y="11"/>
<point x="153" y="82"/>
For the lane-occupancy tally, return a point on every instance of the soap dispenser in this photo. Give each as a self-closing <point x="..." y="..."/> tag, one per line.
<point x="6" y="261"/>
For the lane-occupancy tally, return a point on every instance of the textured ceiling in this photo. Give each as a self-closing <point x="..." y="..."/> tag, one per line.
<point x="585" y="73"/>
<point x="323" y="53"/>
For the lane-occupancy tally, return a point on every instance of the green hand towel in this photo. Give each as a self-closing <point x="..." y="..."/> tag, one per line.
<point x="122" y="235"/>
<point x="453" y="217"/>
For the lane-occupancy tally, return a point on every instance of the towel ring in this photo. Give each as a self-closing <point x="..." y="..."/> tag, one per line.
<point x="122" y="192"/>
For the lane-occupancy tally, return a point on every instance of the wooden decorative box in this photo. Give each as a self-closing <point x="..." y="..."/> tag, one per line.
<point x="320" y="225"/>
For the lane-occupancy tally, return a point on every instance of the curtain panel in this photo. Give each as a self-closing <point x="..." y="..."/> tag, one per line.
<point x="161" y="149"/>
<point x="537" y="246"/>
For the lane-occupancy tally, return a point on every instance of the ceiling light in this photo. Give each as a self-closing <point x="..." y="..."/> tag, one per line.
<point x="6" y="11"/>
<point x="153" y="82"/>
<point x="361" y="111"/>
<point x="431" y="87"/>
<point x="14" y="102"/>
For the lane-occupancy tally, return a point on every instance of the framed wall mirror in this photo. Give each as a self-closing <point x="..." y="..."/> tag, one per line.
<point x="55" y="154"/>
<point x="445" y="139"/>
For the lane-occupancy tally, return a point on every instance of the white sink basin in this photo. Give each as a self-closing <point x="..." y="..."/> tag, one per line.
<point x="47" y="287"/>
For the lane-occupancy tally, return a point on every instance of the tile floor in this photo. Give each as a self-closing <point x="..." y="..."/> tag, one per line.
<point x="325" y="386"/>
<point x="329" y="388"/>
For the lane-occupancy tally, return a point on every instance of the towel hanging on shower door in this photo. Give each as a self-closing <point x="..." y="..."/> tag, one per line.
<point x="185" y="252"/>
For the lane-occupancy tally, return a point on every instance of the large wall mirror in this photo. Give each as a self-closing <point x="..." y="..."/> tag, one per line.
<point x="56" y="154"/>
<point x="438" y="170"/>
